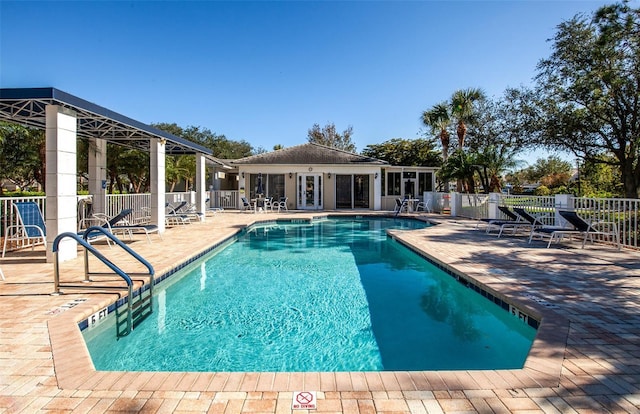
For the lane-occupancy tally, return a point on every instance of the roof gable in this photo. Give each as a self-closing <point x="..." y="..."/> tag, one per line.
<point x="310" y="153"/>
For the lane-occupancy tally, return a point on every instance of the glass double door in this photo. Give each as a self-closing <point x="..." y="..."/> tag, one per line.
<point x="352" y="191"/>
<point x="309" y="192"/>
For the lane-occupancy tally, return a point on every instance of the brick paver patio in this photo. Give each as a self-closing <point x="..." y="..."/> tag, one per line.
<point x="586" y="357"/>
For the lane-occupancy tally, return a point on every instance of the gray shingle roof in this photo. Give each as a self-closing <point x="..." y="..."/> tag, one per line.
<point x="310" y="153"/>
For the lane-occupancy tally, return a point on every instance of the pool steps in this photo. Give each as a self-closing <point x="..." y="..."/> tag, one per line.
<point x="139" y="306"/>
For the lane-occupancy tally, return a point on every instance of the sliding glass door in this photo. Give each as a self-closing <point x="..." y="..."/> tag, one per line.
<point x="352" y="191"/>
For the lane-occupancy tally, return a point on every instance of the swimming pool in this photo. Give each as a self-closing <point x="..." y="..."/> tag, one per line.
<point x="331" y="295"/>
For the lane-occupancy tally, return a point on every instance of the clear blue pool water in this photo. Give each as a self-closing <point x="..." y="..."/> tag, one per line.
<point x="335" y="295"/>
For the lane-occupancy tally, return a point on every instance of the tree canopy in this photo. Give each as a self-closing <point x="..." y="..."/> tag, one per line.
<point x="329" y="137"/>
<point x="406" y="152"/>
<point x="587" y="94"/>
<point x="487" y="141"/>
<point x="551" y="172"/>
<point x="493" y="141"/>
<point x="22" y="155"/>
<point x="220" y="145"/>
<point x="464" y="110"/>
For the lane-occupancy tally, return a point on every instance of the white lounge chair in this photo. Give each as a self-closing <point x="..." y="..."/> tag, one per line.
<point x="172" y="217"/>
<point x="582" y="228"/>
<point x="527" y="222"/>
<point x="189" y="211"/>
<point x="498" y="223"/>
<point x="119" y="224"/>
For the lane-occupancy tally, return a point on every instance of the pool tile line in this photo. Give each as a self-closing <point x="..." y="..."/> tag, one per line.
<point x="544" y="361"/>
<point x="123" y="300"/>
<point x="465" y="280"/>
<point x="542" y="368"/>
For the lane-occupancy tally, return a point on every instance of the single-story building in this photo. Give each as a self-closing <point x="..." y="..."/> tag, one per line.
<point x="316" y="177"/>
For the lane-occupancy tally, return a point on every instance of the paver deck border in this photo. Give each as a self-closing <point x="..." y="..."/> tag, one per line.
<point x="542" y="368"/>
<point x="596" y="290"/>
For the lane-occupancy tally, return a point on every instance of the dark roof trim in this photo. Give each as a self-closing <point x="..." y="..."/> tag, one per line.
<point x="27" y="106"/>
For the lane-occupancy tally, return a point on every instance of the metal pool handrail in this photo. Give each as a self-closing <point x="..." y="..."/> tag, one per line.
<point x="88" y="248"/>
<point x="107" y="233"/>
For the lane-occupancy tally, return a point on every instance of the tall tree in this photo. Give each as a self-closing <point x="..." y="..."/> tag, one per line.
<point x="180" y="168"/>
<point x="588" y="91"/>
<point x="598" y="180"/>
<point x="463" y="110"/>
<point x="406" y="152"/>
<point x="115" y="169"/>
<point x="135" y="164"/>
<point x="22" y="155"/>
<point x="495" y="141"/>
<point x="551" y="172"/>
<point x="438" y="119"/>
<point x="328" y="136"/>
<point x="490" y="164"/>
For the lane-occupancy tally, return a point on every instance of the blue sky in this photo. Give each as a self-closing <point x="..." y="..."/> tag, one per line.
<point x="266" y="71"/>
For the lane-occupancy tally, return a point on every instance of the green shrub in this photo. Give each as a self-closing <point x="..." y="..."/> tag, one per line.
<point x="23" y="193"/>
<point x="542" y="191"/>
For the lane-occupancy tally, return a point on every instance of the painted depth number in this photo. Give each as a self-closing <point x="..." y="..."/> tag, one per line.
<point x="97" y="317"/>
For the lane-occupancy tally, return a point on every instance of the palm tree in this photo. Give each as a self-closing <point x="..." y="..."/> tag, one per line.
<point x="438" y="119"/>
<point x="462" y="109"/>
<point x="494" y="160"/>
<point x="180" y="167"/>
<point x="461" y="166"/>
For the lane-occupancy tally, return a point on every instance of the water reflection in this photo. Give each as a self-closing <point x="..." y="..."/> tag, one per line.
<point x="203" y="276"/>
<point x="162" y="311"/>
<point x="443" y="304"/>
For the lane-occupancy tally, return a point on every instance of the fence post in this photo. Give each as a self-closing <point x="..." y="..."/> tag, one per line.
<point x="429" y="199"/>
<point x="494" y="202"/>
<point x="455" y="204"/>
<point x="562" y="202"/>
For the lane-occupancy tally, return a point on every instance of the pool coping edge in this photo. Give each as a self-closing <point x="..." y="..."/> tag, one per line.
<point x="542" y="368"/>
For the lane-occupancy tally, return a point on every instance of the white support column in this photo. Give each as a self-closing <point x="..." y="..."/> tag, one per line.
<point x="97" y="161"/>
<point x="201" y="184"/>
<point x="213" y="187"/>
<point x="60" y="180"/>
<point x="157" y="172"/>
<point x="242" y="187"/>
<point x="377" y="190"/>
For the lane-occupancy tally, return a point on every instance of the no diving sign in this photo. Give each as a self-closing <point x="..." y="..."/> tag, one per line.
<point x="304" y="400"/>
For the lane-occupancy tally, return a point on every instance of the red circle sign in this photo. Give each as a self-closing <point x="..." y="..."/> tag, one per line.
<point x="304" y="397"/>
